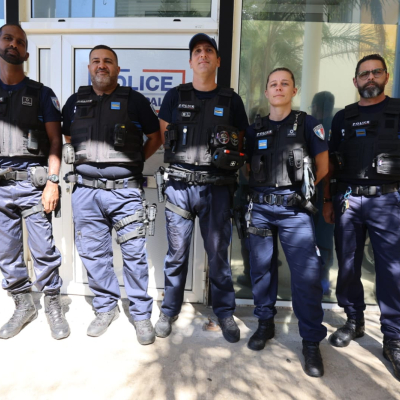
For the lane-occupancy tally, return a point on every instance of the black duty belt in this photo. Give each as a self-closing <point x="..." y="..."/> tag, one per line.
<point x="13" y="175"/>
<point x="275" y="199"/>
<point x="365" y="190"/>
<point x="199" y="177"/>
<point x="107" y="184"/>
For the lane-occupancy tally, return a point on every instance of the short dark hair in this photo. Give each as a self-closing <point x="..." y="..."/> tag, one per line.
<point x="104" y="47"/>
<point x="281" y="69"/>
<point x="371" y="57"/>
<point x="18" y="26"/>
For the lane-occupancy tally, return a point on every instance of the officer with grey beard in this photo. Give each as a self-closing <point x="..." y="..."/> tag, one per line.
<point x="364" y="197"/>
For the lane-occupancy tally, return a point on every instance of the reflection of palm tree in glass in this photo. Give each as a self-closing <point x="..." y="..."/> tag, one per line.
<point x="179" y="8"/>
<point x="275" y="39"/>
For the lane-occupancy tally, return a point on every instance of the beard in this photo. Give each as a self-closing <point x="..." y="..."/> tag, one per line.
<point x="14" y="59"/>
<point x="373" y="90"/>
<point x="104" y="80"/>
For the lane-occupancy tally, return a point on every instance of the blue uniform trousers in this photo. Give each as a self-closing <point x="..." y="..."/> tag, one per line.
<point x="295" y="228"/>
<point x="211" y="204"/>
<point x="16" y="196"/>
<point x="380" y="216"/>
<point x="95" y="212"/>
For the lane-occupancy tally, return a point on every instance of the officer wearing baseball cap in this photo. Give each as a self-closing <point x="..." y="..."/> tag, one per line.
<point x="202" y="125"/>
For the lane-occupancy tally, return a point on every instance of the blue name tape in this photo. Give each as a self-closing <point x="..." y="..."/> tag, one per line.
<point x="115" y="105"/>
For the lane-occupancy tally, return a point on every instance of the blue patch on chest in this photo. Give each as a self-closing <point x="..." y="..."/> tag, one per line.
<point x="361" y="132"/>
<point x="115" y="105"/>
<point x="263" y="144"/>
<point x="219" y="112"/>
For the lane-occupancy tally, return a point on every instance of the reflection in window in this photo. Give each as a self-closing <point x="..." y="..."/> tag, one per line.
<point x="120" y="8"/>
<point x="2" y="12"/>
<point x="321" y="43"/>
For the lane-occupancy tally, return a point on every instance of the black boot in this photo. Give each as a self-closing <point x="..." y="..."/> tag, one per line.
<point x="25" y="312"/>
<point x="264" y="332"/>
<point x="313" y="360"/>
<point x="391" y="351"/>
<point x="351" y="330"/>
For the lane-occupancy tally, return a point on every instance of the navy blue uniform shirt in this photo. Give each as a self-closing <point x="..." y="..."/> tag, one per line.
<point x="337" y="132"/>
<point x="49" y="111"/>
<point x="169" y="113"/>
<point x="315" y="146"/>
<point x="140" y="113"/>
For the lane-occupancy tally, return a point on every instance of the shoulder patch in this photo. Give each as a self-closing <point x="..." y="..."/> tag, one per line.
<point x="56" y="103"/>
<point x="319" y="131"/>
<point x="154" y="110"/>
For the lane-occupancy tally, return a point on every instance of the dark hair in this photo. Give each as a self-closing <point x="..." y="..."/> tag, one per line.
<point x="281" y="69"/>
<point x="104" y="47"/>
<point x="371" y="57"/>
<point x="18" y="26"/>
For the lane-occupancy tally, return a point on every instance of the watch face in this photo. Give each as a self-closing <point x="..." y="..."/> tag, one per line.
<point x="53" y="178"/>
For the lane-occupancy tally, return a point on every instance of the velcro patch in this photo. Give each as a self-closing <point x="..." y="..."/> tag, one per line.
<point x="115" y="105"/>
<point x="27" y="101"/>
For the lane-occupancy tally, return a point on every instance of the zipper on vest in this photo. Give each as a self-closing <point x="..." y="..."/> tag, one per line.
<point x="98" y="127"/>
<point x="9" y="126"/>
<point x="200" y="133"/>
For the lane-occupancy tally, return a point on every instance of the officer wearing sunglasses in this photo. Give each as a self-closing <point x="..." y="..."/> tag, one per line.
<point x="364" y="197"/>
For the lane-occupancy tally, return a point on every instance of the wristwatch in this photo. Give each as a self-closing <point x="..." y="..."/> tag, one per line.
<point x="53" y="178"/>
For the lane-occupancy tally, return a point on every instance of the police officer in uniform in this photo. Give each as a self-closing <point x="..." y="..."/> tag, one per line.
<point x="105" y="124"/>
<point x="285" y="148"/>
<point x="30" y="139"/>
<point x="202" y="125"/>
<point x="365" y="156"/>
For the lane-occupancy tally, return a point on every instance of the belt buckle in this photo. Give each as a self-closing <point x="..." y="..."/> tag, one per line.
<point x="100" y="184"/>
<point x="270" y="199"/>
<point x="196" y="177"/>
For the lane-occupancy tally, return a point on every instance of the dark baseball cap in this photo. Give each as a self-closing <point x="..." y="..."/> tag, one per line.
<point x="201" y="37"/>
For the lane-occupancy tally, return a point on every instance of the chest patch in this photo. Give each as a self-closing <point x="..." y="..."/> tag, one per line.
<point x="265" y="133"/>
<point x="186" y="106"/>
<point x="319" y="131"/>
<point x="115" y="105"/>
<point x="186" y="114"/>
<point x="263" y="144"/>
<point x="362" y="123"/>
<point x="219" y="112"/>
<point x="27" y="101"/>
<point x="291" y="132"/>
<point x="361" y="132"/>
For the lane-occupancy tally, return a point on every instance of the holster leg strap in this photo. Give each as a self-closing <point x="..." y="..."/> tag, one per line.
<point x="33" y="210"/>
<point x="259" y="231"/>
<point x="178" y="210"/>
<point x="136" y="233"/>
<point x="139" y="216"/>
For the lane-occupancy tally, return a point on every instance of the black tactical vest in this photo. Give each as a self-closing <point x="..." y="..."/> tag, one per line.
<point x="370" y="148"/>
<point x="279" y="152"/>
<point x="21" y="132"/>
<point x="202" y="126"/>
<point x="102" y="130"/>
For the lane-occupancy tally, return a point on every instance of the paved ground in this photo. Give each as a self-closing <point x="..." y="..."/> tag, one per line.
<point x="190" y="364"/>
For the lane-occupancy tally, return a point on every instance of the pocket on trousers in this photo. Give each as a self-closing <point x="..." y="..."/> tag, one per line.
<point x="79" y="243"/>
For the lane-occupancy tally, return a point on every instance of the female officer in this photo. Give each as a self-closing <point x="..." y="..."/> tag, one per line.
<point x="284" y="150"/>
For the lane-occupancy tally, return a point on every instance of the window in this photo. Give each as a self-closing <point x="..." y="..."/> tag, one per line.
<point x="321" y="43"/>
